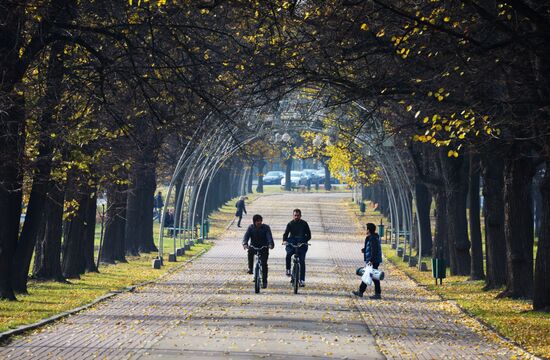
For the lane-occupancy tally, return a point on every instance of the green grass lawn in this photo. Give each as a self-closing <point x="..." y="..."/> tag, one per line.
<point x="514" y="319"/>
<point x="48" y="298"/>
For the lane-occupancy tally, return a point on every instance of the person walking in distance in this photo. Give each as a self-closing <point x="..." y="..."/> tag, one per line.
<point x="372" y="256"/>
<point x="158" y="204"/>
<point x="259" y="235"/>
<point x="297" y="232"/>
<point x="240" y="209"/>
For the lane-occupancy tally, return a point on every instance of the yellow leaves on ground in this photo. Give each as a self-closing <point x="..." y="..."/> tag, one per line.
<point x="510" y="317"/>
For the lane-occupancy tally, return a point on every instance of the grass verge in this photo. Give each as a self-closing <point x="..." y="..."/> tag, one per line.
<point x="513" y="319"/>
<point x="48" y="298"/>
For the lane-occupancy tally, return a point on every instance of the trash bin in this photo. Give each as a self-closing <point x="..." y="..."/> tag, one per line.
<point x="381" y="230"/>
<point x="400" y="252"/>
<point x="362" y="207"/>
<point x="439" y="269"/>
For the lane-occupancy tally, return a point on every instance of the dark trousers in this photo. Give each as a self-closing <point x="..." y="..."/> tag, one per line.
<point x="240" y="218"/>
<point x="302" y="250"/>
<point x="377" y="289"/>
<point x="264" y="255"/>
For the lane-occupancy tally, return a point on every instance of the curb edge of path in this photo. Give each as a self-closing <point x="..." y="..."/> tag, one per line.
<point x="486" y="326"/>
<point x="6" y="335"/>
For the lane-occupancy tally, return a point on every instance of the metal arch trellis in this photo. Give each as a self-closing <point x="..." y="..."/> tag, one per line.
<point x="178" y="216"/>
<point x="195" y="176"/>
<point x="190" y="162"/>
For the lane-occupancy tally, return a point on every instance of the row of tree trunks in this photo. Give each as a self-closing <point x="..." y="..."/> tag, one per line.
<point x="41" y="178"/>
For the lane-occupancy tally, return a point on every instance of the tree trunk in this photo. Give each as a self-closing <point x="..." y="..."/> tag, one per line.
<point x="541" y="291"/>
<point x="146" y="240"/>
<point x="134" y="207"/>
<point x="261" y="167"/>
<point x="423" y="204"/>
<point x="476" y="272"/>
<point x="113" y="240"/>
<point x="455" y="174"/>
<point x="288" y="183"/>
<point x="441" y="248"/>
<point x="493" y="213"/>
<point x="12" y="140"/>
<point x="89" y="233"/>
<point x="47" y="258"/>
<point x="41" y="179"/>
<point x="518" y="227"/>
<point x="328" y="185"/>
<point x="11" y="182"/>
<point x="537" y="201"/>
<point x="251" y="179"/>
<point x="74" y="262"/>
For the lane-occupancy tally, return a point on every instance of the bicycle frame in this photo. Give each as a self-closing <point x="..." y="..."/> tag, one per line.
<point x="257" y="267"/>
<point x="295" y="272"/>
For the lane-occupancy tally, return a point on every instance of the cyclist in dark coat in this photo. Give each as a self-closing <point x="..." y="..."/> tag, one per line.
<point x="240" y="209"/>
<point x="297" y="232"/>
<point x="259" y="235"/>
<point x="373" y="256"/>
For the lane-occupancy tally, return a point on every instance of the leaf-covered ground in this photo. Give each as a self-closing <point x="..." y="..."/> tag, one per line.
<point x="513" y="319"/>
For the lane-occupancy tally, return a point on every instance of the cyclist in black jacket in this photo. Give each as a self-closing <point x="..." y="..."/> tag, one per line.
<point x="297" y="232"/>
<point x="259" y="235"/>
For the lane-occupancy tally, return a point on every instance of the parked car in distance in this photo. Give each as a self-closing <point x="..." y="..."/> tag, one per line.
<point x="321" y="175"/>
<point x="296" y="178"/>
<point x="273" y="177"/>
<point x="311" y="175"/>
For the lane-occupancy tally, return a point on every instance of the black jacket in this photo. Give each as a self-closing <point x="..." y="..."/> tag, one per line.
<point x="258" y="236"/>
<point x="240" y="208"/>
<point x="298" y="230"/>
<point x="373" y="249"/>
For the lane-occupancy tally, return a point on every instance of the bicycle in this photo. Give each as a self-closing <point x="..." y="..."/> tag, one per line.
<point x="295" y="271"/>
<point x="258" y="274"/>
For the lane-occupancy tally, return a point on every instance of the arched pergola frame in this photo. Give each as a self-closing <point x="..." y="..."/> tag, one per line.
<point x="199" y="165"/>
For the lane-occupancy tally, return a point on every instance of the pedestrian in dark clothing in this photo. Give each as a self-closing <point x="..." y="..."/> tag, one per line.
<point x="169" y="221"/>
<point x="297" y="232"/>
<point x="372" y="256"/>
<point x="240" y="209"/>
<point x="158" y="204"/>
<point x="259" y="235"/>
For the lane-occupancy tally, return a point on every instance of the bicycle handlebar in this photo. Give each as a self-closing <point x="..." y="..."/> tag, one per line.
<point x="257" y="248"/>
<point x="297" y="246"/>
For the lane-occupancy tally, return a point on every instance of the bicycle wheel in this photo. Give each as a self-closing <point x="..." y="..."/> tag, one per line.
<point x="296" y="275"/>
<point x="257" y="277"/>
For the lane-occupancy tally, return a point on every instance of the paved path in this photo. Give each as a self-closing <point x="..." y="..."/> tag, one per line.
<point x="209" y="309"/>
